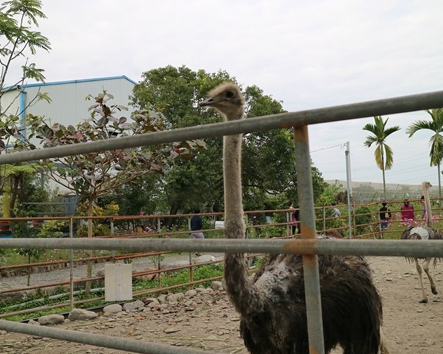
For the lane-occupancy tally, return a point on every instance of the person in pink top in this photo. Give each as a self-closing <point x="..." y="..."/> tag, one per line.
<point x="407" y="211"/>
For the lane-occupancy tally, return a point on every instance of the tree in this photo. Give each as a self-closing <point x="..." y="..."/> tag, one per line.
<point x="18" y="39"/>
<point x="384" y="157"/>
<point x="175" y="92"/>
<point x="268" y="158"/>
<point x="436" y="140"/>
<point x="16" y="186"/>
<point x="266" y="154"/>
<point x="95" y="174"/>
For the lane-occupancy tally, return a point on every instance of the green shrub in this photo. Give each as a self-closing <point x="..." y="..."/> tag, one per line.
<point x="97" y="230"/>
<point x="362" y="216"/>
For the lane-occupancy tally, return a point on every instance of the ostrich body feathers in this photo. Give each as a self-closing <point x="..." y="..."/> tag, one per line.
<point x="421" y="233"/>
<point x="351" y="307"/>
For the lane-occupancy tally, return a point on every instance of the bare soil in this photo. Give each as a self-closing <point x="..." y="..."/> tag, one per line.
<point x="210" y="322"/>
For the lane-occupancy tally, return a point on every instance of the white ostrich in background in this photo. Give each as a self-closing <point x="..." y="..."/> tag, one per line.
<point x="272" y="306"/>
<point x="424" y="233"/>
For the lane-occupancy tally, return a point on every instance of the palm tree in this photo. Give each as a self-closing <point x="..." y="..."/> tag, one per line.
<point x="384" y="157"/>
<point x="436" y="140"/>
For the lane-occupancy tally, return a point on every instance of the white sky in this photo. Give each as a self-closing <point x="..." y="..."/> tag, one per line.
<point x="309" y="54"/>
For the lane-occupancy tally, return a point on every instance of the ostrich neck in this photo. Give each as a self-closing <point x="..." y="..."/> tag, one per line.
<point x="428" y="208"/>
<point x="240" y="289"/>
<point x="233" y="188"/>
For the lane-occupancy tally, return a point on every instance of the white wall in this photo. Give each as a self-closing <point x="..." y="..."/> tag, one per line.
<point x="68" y="105"/>
<point x="68" y="98"/>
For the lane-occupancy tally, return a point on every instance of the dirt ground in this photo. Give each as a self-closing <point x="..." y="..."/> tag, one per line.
<point x="212" y="324"/>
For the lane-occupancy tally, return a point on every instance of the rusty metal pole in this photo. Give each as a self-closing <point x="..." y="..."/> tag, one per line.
<point x="307" y="220"/>
<point x="112" y="235"/>
<point x="191" y="273"/>
<point x="324" y="220"/>
<point x="71" y="267"/>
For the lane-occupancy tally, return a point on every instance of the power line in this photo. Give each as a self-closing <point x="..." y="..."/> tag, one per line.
<point x="327" y="148"/>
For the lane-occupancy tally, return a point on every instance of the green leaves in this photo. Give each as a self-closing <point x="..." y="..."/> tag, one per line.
<point x="30" y="9"/>
<point x="268" y="158"/>
<point x="384" y="155"/>
<point x="17" y="17"/>
<point x="436" y="140"/>
<point x="18" y="40"/>
<point x="95" y="174"/>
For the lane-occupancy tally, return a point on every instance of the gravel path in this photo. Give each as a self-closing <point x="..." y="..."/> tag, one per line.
<point x="212" y="324"/>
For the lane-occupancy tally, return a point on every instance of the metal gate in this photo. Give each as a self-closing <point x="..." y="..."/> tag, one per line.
<point x="308" y="246"/>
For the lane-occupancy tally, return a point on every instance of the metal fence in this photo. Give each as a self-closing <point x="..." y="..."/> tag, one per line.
<point x="308" y="246"/>
<point x="278" y="224"/>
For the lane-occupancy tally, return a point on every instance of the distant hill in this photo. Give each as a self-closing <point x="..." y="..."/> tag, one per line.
<point x="364" y="192"/>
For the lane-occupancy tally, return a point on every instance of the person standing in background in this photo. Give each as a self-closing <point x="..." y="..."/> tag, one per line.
<point x="295" y="219"/>
<point x="197" y="225"/>
<point x="407" y="211"/>
<point x="335" y="212"/>
<point x="385" y="215"/>
<point x="422" y="200"/>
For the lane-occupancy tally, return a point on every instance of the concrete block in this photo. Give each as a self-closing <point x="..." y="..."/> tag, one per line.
<point x="118" y="282"/>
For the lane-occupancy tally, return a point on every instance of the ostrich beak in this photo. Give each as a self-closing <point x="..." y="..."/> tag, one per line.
<point x="212" y="101"/>
<point x="207" y="102"/>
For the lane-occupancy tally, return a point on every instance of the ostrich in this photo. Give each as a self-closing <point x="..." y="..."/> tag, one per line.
<point x="272" y="305"/>
<point x="424" y="233"/>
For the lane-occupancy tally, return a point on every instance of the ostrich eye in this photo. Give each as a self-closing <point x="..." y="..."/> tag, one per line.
<point x="229" y="94"/>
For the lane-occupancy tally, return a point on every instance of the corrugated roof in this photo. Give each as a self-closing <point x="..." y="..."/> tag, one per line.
<point x="66" y="82"/>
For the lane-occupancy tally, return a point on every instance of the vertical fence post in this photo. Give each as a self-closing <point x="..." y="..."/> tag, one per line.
<point x="112" y="235"/>
<point x="307" y="220"/>
<point x="355" y="226"/>
<point x="191" y="270"/>
<point x="71" y="266"/>
<point x="288" y="226"/>
<point x="159" y="259"/>
<point x="191" y="273"/>
<point x="324" y="220"/>
<point x="247" y="226"/>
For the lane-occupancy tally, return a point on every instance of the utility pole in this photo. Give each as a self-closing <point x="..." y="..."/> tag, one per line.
<point x="348" y="185"/>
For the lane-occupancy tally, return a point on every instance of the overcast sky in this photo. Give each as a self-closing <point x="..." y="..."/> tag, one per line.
<point x="308" y="54"/>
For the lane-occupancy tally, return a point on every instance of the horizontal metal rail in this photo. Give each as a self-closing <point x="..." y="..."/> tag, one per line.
<point x="284" y="120"/>
<point x="139" y="217"/>
<point x="96" y="340"/>
<point x="395" y="248"/>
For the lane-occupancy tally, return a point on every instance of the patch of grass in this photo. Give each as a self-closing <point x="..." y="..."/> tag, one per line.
<point x="13" y="257"/>
<point x="41" y="298"/>
<point x="180" y="277"/>
<point x="19" y="318"/>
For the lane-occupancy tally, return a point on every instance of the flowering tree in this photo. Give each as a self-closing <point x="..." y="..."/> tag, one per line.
<point x="96" y="174"/>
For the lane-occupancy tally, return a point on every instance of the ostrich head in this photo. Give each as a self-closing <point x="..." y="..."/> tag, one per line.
<point x="425" y="186"/>
<point x="227" y="99"/>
